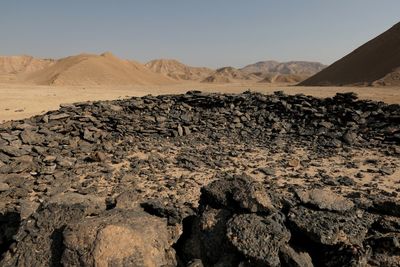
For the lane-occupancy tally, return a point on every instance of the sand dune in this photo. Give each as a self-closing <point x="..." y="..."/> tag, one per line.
<point x="375" y="63"/>
<point x="88" y="69"/>
<point x="177" y="70"/>
<point x="229" y="75"/>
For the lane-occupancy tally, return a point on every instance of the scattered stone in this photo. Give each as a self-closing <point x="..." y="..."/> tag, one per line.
<point x="289" y="257"/>
<point x="293" y="163"/>
<point x="239" y="191"/>
<point x="350" y="138"/>
<point x="386" y="170"/>
<point x="329" y="228"/>
<point x="4" y="187"/>
<point x="267" y="171"/>
<point x="180" y="130"/>
<point x="325" y="200"/>
<point x="58" y="116"/>
<point x="38" y="241"/>
<point x="31" y="138"/>
<point x="28" y="208"/>
<point x="13" y="151"/>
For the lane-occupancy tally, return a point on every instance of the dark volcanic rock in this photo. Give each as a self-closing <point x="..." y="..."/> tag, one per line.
<point x="329" y="228"/>
<point x="238" y="191"/>
<point x="291" y="258"/>
<point x="39" y="239"/>
<point x="270" y="168"/>
<point x="258" y="238"/>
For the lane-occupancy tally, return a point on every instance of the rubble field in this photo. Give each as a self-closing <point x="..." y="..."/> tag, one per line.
<point x="203" y="179"/>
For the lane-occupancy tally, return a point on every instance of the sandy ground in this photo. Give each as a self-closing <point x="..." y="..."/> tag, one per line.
<point x="22" y="101"/>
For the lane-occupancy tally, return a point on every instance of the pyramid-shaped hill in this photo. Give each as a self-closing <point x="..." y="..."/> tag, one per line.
<point x="177" y="70"/>
<point x="376" y="62"/>
<point x="89" y="69"/>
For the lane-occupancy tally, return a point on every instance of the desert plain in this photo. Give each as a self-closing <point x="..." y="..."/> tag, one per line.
<point x="18" y="101"/>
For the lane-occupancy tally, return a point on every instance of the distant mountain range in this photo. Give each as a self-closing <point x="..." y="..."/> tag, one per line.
<point x="107" y="69"/>
<point x="263" y="71"/>
<point x="177" y="70"/>
<point x="375" y="63"/>
<point x="302" y="68"/>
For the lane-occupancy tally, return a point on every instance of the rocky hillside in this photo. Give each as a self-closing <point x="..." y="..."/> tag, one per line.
<point x="203" y="180"/>
<point x="13" y="68"/>
<point x="300" y="68"/>
<point x="283" y="78"/>
<point x="229" y="75"/>
<point x="177" y="70"/>
<point x="375" y="63"/>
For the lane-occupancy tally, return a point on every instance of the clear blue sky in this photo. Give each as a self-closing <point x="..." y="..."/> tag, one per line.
<point x="205" y="32"/>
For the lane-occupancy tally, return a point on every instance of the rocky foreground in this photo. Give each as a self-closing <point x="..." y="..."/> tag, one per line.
<point x="203" y="180"/>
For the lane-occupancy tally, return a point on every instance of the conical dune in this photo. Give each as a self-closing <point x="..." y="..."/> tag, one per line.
<point x="89" y="69"/>
<point x="376" y="62"/>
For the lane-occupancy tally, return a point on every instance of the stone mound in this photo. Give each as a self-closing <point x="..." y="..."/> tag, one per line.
<point x="203" y="180"/>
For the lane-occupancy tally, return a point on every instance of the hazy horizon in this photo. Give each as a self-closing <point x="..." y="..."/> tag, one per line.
<point x="206" y="33"/>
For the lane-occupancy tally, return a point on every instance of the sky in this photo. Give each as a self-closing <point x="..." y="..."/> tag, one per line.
<point x="211" y="33"/>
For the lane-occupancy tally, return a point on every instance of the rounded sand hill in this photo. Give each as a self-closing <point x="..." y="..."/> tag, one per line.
<point x="177" y="70"/>
<point x="89" y="69"/>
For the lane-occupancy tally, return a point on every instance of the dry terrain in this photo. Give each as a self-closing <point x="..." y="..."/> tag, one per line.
<point x="169" y="180"/>
<point x="188" y="166"/>
<point x="21" y="101"/>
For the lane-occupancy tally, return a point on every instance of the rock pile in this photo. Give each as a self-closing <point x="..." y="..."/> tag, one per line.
<point x="242" y="222"/>
<point x="287" y="180"/>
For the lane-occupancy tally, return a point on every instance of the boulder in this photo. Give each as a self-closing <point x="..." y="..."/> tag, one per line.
<point x="258" y="238"/>
<point x="38" y="241"/>
<point x="119" y="238"/>
<point x="238" y="190"/>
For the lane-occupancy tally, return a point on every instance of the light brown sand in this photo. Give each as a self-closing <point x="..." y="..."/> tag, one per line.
<point x="21" y="101"/>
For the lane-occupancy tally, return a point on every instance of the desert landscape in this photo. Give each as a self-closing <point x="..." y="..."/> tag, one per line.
<point x="110" y="161"/>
